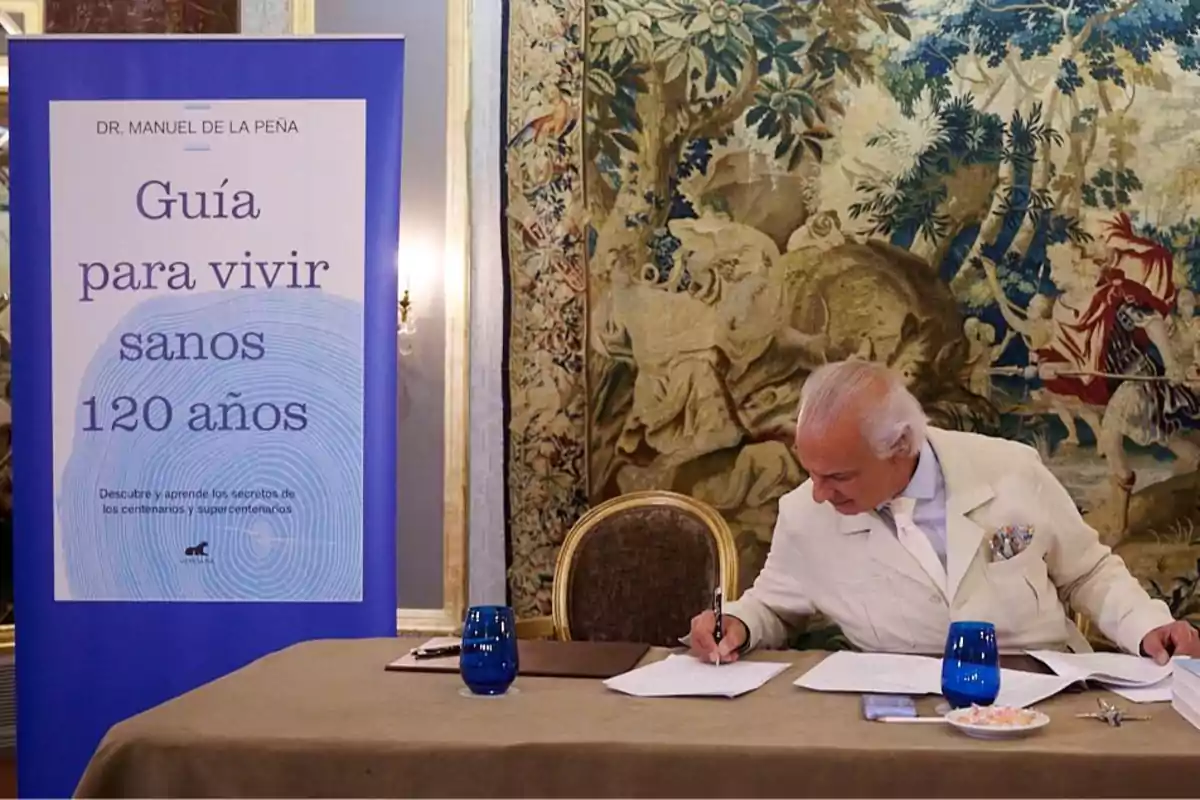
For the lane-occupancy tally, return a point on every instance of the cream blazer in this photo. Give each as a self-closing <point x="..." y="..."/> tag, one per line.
<point x="854" y="570"/>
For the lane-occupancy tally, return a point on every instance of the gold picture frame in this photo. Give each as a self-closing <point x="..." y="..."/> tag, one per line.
<point x="303" y="16"/>
<point x="456" y="278"/>
<point x="18" y="18"/>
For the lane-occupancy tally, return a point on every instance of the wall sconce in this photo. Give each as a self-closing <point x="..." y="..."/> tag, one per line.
<point x="406" y="317"/>
<point x="417" y="265"/>
<point x="406" y="324"/>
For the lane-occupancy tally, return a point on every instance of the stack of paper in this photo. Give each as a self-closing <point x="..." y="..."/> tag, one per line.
<point x="1185" y="689"/>
<point x="685" y="676"/>
<point x="1137" y="679"/>
<point x="886" y="673"/>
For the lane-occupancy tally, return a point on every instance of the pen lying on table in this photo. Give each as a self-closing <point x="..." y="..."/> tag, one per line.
<point x="445" y="651"/>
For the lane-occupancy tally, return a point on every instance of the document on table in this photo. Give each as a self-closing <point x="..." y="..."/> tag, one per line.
<point x="874" y="673"/>
<point x="1155" y="693"/>
<point x="685" y="676"/>
<point x="889" y="673"/>
<point x="1137" y="679"/>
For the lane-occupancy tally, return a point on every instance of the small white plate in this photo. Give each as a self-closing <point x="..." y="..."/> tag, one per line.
<point x="995" y="722"/>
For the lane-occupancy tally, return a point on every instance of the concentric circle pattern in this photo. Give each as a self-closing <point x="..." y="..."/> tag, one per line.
<point x="219" y="505"/>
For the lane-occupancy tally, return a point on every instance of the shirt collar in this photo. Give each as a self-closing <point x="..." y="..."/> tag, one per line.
<point x="927" y="478"/>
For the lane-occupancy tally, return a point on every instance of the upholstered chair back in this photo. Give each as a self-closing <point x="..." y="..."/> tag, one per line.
<point x="639" y="567"/>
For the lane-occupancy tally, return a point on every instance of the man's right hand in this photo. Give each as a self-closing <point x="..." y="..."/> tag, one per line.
<point x="704" y="644"/>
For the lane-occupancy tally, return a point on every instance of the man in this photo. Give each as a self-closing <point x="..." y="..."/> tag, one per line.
<point x="902" y="528"/>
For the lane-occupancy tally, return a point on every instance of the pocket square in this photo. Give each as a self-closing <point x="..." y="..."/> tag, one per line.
<point x="1010" y="541"/>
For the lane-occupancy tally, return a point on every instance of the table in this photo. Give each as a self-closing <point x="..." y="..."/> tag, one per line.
<point x="325" y="719"/>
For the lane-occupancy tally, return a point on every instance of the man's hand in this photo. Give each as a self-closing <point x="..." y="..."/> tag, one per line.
<point x="1178" y="639"/>
<point x="704" y="645"/>
<point x="1050" y="370"/>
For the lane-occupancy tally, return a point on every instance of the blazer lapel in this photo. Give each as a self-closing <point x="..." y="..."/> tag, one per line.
<point x="965" y="492"/>
<point x="963" y="539"/>
<point x="884" y="547"/>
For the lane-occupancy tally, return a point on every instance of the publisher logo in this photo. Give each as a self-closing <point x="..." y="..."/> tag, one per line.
<point x="197" y="551"/>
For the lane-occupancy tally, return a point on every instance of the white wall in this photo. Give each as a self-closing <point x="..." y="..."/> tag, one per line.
<point x="419" y="489"/>
<point x="265" y="16"/>
<point x="422" y="236"/>
<point x="487" y="564"/>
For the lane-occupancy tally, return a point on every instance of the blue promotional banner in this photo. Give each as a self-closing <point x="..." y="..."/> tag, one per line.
<point x="204" y="236"/>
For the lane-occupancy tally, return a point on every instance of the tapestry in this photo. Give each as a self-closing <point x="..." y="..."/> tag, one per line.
<point x="142" y="16"/>
<point x="706" y="199"/>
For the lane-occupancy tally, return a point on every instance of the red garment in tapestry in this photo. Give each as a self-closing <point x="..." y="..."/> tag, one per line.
<point x="1088" y="345"/>
<point x="1141" y="259"/>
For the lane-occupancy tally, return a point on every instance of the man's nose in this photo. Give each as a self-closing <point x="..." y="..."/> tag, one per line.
<point x="821" y="492"/>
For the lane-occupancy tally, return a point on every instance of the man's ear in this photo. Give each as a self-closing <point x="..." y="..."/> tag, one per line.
<point x="902" y="447"/>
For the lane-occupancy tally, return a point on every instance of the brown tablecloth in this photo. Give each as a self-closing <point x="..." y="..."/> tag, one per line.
<point x="325" y="719"/>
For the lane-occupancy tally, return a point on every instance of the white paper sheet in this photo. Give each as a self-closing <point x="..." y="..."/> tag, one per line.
<point x="1022" y="689"/>
<point x="1111" y="669"/>
<point x="1155" y="693"/>
<point x="875" y="673"/>
<point x="1190" y="714"/>
<point x="887" y="673"/>
<point x="684" y="676"/>
<point x="1185" y="694"/>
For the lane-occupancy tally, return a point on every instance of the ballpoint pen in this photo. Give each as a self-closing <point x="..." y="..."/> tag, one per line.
<point x="444" y="651"/>
<point x="719" y="630"/>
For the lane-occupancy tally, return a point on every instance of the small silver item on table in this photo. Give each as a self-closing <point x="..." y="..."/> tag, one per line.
<point x="1111" y="714"/>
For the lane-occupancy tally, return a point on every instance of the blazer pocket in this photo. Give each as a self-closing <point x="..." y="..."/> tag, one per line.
<point x="1022" y="562"/>
<point x="1019" y="591"/>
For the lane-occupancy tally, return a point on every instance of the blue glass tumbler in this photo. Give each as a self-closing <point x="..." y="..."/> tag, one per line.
<point x="488" y="662"/>
<point x="971" y="665"/>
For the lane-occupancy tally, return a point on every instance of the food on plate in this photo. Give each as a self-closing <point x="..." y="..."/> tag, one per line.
<point x="997" y="716"/>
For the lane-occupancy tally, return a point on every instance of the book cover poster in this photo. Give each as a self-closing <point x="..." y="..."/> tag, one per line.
<point x="207" y="264"/>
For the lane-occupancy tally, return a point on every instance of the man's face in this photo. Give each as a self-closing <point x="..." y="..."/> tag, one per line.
<point x="845" y="471"/>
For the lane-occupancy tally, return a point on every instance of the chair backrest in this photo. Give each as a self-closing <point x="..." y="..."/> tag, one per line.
<point x="639" y="567"/>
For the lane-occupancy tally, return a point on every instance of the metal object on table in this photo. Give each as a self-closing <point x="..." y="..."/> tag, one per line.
<point x="1111" y="714"/>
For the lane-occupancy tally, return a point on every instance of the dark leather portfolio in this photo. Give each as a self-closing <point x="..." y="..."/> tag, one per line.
<point x="548" y="659"/>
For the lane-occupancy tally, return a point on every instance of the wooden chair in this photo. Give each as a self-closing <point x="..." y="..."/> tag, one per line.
<point x="638" y="568"/>
<point x="1083" y="623"/>
<point x="1092" y="634"/>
